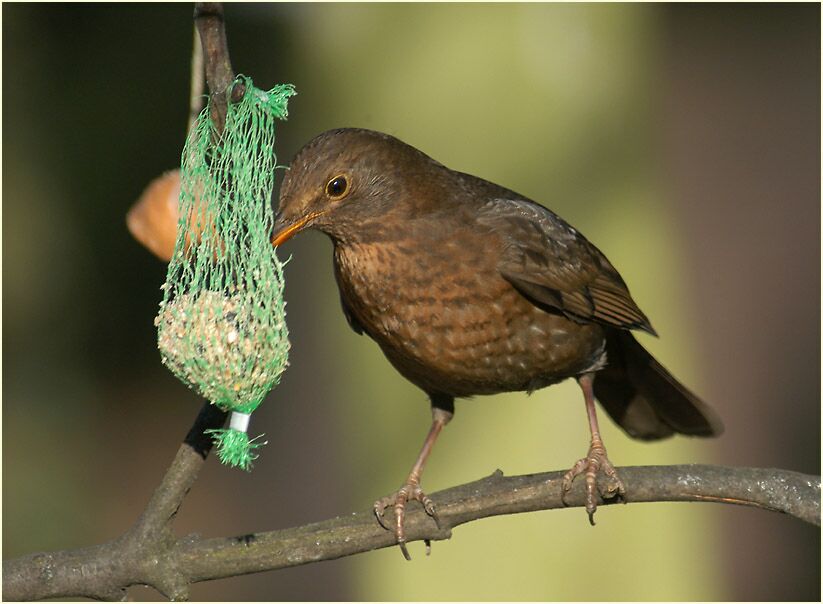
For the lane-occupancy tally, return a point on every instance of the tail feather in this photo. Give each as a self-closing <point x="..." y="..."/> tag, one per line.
<point x="644" y="398"/>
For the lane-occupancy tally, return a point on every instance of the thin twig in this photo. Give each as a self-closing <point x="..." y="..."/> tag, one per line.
<point x="198" y="82"/>
<point x="181" y="475"/>
<point x="170" y="566"/>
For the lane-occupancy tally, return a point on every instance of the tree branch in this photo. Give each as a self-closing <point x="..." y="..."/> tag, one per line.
<point x="197" y="83"/>
<point x="152" y="557"/>
<point x="208" y="17"/>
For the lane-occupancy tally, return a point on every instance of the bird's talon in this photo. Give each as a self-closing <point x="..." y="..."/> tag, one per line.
<point x="563" y="492"/>
<point x="398" y="500"/>
<point x="378" y="513"/>
<point x="431" y="510"/>
<point x="428" y="546"/>
<point x="590" y="465"/>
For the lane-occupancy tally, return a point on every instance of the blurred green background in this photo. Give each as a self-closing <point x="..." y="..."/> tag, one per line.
<point x="682" y="139"/>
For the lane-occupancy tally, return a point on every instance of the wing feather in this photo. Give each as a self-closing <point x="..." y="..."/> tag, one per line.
<point x="553" y="265"/>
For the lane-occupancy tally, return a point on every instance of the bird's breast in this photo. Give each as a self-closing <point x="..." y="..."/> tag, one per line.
<point x="451" y="324"/>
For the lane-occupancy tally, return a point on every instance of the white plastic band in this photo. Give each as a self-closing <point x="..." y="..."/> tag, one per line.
<point x="239" y="421"/>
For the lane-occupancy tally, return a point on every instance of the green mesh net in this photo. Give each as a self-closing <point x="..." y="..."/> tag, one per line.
<point x="221" y="327"/>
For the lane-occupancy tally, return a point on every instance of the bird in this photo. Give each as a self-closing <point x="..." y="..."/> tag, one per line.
<point x="472" y="289"/>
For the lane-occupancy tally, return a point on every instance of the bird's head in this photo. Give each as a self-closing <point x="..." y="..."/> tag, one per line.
<point x="344" y="181"/>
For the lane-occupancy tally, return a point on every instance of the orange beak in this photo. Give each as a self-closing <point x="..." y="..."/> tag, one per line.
<point x="286" y="233"/>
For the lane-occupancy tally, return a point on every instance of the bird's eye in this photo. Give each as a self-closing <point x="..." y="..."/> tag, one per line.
<point x="337" y="187"/>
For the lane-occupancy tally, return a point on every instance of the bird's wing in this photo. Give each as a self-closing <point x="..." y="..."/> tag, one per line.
<point x="553" y="265"/>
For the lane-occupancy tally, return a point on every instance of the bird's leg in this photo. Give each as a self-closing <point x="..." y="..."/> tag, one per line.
<point x="595" y="460"/>
<point x="411" y="489"/>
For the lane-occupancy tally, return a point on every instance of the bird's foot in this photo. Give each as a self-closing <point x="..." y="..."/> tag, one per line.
<point x="410" y="491"/>
<point x="595" y="461"/>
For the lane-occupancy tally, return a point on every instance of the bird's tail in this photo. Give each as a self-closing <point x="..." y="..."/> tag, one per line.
<point x="644" y="398"/>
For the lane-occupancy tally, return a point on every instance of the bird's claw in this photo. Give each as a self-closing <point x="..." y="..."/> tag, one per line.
<point x="590" y="465"/>
<point x="378" y="513"/>
<point x="398" y="500"/>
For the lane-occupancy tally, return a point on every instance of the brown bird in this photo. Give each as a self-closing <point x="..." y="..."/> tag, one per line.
<point x="470" y="288"/>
